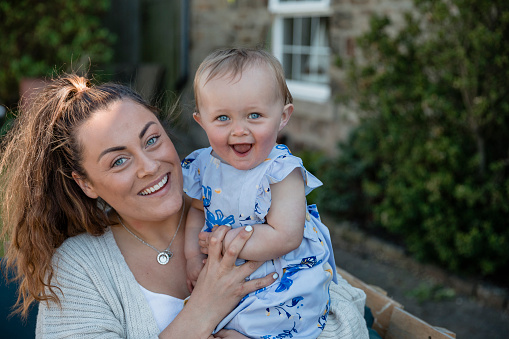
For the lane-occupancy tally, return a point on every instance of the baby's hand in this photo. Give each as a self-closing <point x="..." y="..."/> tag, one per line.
<point x="203" y="240"/>
<point x="193" y="268"/>
<point x="204" y="237"/>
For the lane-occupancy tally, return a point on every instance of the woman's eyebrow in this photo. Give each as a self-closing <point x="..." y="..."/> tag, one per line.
<point x="108" y="150"/>
<point x="144" y="130"/>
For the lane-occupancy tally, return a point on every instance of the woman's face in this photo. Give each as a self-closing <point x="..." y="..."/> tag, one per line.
<point x="131" y="163"/>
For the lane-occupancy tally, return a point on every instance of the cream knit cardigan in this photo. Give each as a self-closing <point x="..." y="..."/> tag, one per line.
<point x="100" y="297"/>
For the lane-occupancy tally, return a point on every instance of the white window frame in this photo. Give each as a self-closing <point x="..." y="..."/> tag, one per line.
<point x="299" y="7"/>
<point x="303" y="90"/>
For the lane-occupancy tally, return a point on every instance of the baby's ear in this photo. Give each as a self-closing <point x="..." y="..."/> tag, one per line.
<point x="285" y="117"/>
<point x="197" y="117"/>
<point x="85" y="186"/>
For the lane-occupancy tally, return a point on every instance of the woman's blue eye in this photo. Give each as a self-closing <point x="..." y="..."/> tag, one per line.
<point x="151" y="141"/>
<point x="119" y="162"/>
<point x="222" y="118"/>
<point x="254" y="115"/>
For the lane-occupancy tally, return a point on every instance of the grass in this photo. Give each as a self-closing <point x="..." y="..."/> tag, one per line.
<point x="431" y="292"/>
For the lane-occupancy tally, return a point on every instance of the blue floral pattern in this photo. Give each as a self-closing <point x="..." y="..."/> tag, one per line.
<point x="291" y="270"/>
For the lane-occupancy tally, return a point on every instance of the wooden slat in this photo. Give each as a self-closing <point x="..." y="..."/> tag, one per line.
<point x="404" y="325"/>
<point x="391" y="321"/>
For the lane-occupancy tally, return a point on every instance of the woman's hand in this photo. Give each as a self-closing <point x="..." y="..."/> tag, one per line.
<point x="222" y="266"/>
<point x="220" y="286"/>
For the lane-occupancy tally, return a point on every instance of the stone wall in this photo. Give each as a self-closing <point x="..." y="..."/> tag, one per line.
<point x="220" y="23"/>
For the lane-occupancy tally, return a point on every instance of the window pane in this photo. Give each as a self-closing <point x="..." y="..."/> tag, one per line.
<point x="287" y="65"/>
<point x="288" y="31"/>
<point x="306" y="49"/>
<point x="304" y="64"/>
<point x="306" y="32"/>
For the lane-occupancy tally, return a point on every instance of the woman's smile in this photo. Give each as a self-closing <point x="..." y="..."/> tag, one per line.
<point x="156" y="187"/>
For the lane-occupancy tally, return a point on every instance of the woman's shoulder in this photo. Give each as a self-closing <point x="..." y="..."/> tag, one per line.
<point x="84" y="256"/>
<point x="86" y="245"/>
<point x="85" y="238"/>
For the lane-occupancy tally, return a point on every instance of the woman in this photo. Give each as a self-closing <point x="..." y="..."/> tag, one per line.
<point x="77" y="152"/>
<point x="92" y="205"/>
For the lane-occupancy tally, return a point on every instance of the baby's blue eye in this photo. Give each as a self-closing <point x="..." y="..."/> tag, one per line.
<point x="222" y="118"/>
<point x="119" y="162"/>
<point x="254" y="115"/>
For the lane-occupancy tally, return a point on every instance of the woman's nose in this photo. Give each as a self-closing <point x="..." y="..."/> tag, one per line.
<point x="147" y="165"/>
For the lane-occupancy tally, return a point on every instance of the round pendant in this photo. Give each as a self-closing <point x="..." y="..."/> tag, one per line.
<point x="164" y="257"/>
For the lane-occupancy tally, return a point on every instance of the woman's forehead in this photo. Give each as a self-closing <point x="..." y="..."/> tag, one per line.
<point x="117" y="123"/>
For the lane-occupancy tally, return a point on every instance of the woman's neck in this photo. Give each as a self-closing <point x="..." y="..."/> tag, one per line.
<point x="157" y="233"/>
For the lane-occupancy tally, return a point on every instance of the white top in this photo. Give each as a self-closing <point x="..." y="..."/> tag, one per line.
<point x="164" y="307"/>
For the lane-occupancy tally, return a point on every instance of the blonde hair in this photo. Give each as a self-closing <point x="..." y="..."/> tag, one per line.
<point x="41" y="203"/>
<point x="233" y="62"/>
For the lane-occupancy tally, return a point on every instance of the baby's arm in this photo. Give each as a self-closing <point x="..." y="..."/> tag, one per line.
<point x="284" y="229"/>
<point x="194" y="257"/>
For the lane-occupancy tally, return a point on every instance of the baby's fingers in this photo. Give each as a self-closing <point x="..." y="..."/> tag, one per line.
<point x="203" y="238"/>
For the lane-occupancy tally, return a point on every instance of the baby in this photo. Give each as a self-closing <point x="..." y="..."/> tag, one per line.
<point x="246" y="179"/>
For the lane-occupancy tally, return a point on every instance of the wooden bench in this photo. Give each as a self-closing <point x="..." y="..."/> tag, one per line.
<point x="391" y="320"/>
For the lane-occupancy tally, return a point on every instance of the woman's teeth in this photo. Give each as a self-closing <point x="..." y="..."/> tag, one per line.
<point x="156" y="187"/>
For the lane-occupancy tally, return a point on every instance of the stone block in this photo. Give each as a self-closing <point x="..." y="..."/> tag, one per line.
<point x="342" y="20"/>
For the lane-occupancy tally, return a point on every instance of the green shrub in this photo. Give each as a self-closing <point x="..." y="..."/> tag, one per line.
<point x="38" y="37"/>
<point x="430" y="159"/>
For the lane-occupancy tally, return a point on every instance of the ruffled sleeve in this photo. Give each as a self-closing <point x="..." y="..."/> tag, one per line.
<point x="278" y="169"/>
<point x="191" y="172"/>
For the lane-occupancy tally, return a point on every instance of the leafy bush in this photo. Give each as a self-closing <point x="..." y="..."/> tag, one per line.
<point x="38" y="37"/>
<point x="430" y="159"/>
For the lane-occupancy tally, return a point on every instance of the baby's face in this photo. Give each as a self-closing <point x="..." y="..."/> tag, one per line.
<point x="242" y="116"/>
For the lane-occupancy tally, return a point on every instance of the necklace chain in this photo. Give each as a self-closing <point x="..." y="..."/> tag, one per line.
<point x="163" y="257"/>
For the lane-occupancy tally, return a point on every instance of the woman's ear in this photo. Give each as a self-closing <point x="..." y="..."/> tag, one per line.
<point x="85" y="186"/>
<point x="285" y="117"/>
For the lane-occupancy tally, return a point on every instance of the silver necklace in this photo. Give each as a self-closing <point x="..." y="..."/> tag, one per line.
<point x="163" y="257"/>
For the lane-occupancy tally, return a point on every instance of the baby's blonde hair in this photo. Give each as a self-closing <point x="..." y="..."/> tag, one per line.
<point x="233" y="62"/>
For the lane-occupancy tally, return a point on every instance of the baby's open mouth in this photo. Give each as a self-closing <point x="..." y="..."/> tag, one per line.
<point x="242" y="148"/>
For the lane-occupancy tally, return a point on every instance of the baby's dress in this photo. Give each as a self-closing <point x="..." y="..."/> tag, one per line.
<point x="296" y="305"/>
